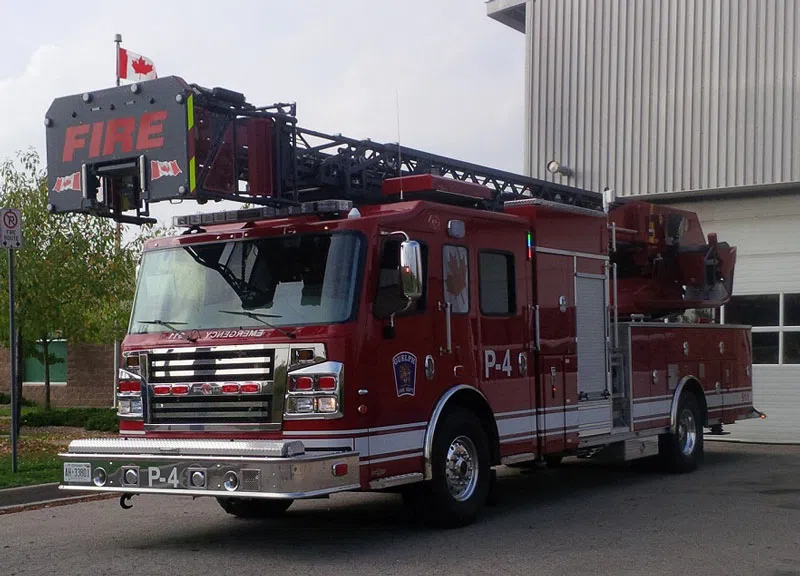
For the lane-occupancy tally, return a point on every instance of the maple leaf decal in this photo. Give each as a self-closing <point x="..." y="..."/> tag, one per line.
<point x="456" y="280"/>
<point x="141" y="66"/>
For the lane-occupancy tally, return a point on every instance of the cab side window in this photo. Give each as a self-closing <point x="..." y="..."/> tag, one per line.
<point x="389" y="295"/>
<point x="496" y="283"/>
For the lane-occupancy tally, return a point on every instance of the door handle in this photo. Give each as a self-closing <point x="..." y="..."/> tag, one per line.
<point x="448" y="307"/>
<point x="553" y="372"/>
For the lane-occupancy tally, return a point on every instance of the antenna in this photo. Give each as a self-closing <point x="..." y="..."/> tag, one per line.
<point x="399" y="149"/>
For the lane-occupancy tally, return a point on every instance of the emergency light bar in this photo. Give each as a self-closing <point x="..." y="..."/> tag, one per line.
<point x="319" y="207"/>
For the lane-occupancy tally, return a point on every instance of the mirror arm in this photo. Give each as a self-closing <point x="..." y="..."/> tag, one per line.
<point x="406" y="236"/>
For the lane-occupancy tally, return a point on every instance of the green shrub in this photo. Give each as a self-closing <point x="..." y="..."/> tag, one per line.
<point x="6" y="399"/>
<point x="104" y="419"/>
<point x="103" y="422"/>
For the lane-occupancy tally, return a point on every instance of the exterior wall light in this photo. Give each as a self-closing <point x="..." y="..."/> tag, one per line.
<point x="555" y="168"/>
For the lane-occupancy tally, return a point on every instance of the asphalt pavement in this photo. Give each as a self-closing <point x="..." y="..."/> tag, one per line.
<point x="739" y="514"/>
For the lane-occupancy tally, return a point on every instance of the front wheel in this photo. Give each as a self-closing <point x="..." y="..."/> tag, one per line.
<point x="682" y="450"/>
<point x="461" y="474"/>
<point x="254" y="508"/>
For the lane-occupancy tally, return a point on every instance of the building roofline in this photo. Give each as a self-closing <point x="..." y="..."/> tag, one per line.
<point x="736" y="192"/>
<point x="508" y="12"/>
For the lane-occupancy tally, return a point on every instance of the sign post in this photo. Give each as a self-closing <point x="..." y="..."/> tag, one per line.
<point x="11" y="237"/>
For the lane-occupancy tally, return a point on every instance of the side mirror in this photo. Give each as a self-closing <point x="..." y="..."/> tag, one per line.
<point x="411" y="269"/>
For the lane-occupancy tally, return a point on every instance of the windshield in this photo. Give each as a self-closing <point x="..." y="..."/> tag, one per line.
<point x="288" y="280"/>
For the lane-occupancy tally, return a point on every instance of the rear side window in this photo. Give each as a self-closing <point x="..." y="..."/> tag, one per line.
<point x="496" y="280"/>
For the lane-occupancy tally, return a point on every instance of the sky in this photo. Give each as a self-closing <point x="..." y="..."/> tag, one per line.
<point x="454" y="76"/>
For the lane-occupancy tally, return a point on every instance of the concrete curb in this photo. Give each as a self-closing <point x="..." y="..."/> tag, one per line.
<point x="55" y="503"/>
<point x="707" y="438"/>
<point x="42" y="496"/>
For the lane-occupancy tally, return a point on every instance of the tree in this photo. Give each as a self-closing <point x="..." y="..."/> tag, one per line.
<point x="71" y="280"/>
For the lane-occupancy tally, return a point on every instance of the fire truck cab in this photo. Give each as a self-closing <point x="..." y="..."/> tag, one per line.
<point x="384" y="318"/>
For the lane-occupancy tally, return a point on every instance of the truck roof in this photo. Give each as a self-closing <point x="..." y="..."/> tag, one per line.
<point x="369" y="217"/>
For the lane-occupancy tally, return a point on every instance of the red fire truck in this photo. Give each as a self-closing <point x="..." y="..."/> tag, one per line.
<point x="381" y="318"/>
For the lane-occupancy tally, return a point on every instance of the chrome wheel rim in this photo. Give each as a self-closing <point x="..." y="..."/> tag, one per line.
<point x="461" y="468"/>
<point x="687" y="432"/>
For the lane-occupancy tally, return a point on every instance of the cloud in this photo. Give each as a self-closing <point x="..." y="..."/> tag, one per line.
<point x="457" y="74"/>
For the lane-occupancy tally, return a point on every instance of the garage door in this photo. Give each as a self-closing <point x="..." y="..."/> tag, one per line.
<point x="766" y="291"/>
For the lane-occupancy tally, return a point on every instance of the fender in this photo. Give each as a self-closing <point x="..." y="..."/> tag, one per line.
<point x="673" y="413"/>
<point x="437" y="412"/>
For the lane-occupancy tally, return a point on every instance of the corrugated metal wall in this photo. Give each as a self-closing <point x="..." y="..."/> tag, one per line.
<point x="648" y="96"/>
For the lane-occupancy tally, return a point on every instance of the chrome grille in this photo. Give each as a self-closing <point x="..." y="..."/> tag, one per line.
<point x="221" y="364"/>
<point x="206" y="371"/>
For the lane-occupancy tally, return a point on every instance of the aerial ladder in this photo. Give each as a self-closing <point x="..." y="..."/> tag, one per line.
<point x="113" y="152"/>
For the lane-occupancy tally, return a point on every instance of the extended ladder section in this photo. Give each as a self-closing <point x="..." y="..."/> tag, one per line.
<point x="112" y="152"/>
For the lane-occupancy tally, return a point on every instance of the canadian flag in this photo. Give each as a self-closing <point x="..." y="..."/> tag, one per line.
<point x="159" y="169"/>
<point x="71" y="182"/>
<point x="134" y="66"/>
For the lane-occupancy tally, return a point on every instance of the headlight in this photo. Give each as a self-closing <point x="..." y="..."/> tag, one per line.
<point x="300" y="405"/>
<point x="136" y="406"/>
<point x="315" y="391"/>
<point x="327" y="404"/>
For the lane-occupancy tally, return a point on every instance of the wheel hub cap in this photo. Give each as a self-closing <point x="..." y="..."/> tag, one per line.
<point x="687" y="432"/>
<point x="461" y="468"/>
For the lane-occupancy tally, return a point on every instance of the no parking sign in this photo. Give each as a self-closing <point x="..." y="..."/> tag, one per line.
<point x="10" y="228"/>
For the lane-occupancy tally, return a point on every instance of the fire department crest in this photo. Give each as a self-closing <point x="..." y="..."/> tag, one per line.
<point x="405" y="373"/>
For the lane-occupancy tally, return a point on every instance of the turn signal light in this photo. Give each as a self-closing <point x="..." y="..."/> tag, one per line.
<point x="180" y="389"/>
<point x="130" y="386"/>
<point x="230" y="388"/>
<point x="327" y="383"/>
<point x="303" y="383"/>
<point x="250" y="388"/>
<point x="161" y="390"/>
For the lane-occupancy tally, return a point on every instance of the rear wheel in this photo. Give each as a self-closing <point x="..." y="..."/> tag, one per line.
<point x="461" y="474"/>
<point x="682" y="450"/>
<point x="254" y="508"/>
<point x="553" y="460"/>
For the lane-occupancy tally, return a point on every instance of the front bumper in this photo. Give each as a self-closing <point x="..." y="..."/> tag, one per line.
<point x="240" y="468"/>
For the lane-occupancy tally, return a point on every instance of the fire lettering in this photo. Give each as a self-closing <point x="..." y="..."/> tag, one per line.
<point x="73" y="140"/>
<point x="151" y="130"/>
<point x="118" y="135"/>
<point x="119" y="130"/>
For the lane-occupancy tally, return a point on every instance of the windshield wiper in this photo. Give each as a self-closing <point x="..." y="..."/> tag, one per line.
<point x="169" y="325"/>
<point x="259" y="316"/>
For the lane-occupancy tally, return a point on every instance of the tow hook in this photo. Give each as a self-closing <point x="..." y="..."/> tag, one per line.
<point x="123" y="501"/>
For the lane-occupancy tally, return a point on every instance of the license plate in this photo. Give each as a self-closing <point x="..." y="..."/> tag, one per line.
<point x="74" y="472"/>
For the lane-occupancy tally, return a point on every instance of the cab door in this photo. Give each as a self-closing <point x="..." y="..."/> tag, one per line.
<point x="400" y="383"/>
<point x="502" y="312"/>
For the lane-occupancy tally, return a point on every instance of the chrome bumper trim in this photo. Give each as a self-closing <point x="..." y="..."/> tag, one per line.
<point x="216" y="493"/>
<point x="150" y="446"/>
<point x="168" y="472"/>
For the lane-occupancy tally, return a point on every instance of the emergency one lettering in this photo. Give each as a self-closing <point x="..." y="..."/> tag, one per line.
<point x="117" y="136"/>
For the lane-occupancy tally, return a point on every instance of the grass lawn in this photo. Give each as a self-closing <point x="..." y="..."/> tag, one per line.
<point x="5" y="410"/>
<point x="37" y="453"/>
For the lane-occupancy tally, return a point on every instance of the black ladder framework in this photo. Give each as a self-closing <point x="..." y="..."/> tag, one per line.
<point x="312" y="165"/>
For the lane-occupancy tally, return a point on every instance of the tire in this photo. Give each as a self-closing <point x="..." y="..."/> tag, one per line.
<point x="683" y="451"/>
<point x="454" y="497"/>
<point x="254" y="508"/>
<point x="553" y="460"/>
